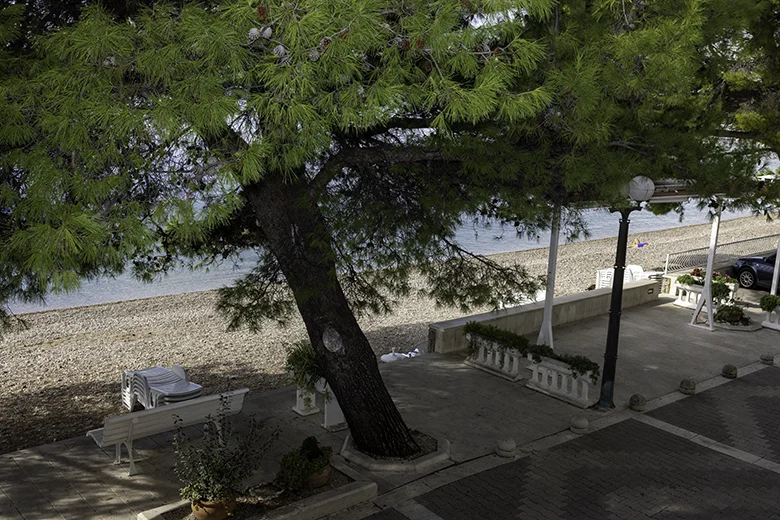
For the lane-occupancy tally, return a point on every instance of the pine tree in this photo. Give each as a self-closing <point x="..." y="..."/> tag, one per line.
<point x="749" y="76"/>
<point x="345" y="140"/>
<point x="51" y="238"/>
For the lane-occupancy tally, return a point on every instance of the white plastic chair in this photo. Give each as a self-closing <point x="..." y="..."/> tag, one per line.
<point x="157" y="386"/>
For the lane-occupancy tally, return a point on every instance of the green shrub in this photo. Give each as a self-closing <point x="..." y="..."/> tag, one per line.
<point x="687" y="279"/>
<point x="504" y="339"/>
<point x="723" y="278"/>
<point x="302" y="366"/>
<point x="720" y="292"/>
<point x="726" y="311"/>
<point x="300" y="463"/>
<point x="213" y="468"/>
<point x="769" y="302"/>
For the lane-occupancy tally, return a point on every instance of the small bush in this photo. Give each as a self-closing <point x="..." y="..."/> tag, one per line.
<point x="720" y="292"/>
<point x="729" y="310"/>
<point x="579" y="365"/>
<point x="302" y="366"/>
<point x="687" y="279"/>
<point x="300" y="463"/>
<point x="214" y="467"/>
<point x="769" y="302"/>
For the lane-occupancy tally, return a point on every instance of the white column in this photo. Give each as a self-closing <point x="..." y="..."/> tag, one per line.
<point x="777" y="269"/>
<point x="545" y="333"/>
<point x="706" y="295"/>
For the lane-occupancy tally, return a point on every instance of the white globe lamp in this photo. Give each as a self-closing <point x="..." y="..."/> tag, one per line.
<point x="639" y="189"/>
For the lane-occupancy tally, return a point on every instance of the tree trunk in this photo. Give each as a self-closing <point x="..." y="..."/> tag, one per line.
<point x="301" y="241"/>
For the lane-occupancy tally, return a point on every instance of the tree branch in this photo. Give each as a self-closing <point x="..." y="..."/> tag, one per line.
<point x="357" y="157"/>
<point x="736" y="134"/>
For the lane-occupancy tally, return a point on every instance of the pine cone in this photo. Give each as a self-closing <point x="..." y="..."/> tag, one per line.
<point x="254" y="34"/>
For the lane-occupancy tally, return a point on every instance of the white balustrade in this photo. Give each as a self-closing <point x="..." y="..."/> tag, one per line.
<point x="305" y="404"/>
<point x="772" y="320"/>
<point x="556" y="379"/>
<point x="490" y="357"/>
<point x="687" y="296"/>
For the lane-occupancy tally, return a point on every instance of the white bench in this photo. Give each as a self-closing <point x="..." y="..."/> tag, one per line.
<point x="122" y="429"/>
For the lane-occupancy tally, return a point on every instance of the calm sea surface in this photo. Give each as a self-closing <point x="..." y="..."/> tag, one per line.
<point x="478" y="239"/>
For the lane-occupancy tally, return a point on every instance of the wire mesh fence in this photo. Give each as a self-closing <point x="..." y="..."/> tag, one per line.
<point x="725" y="254"/>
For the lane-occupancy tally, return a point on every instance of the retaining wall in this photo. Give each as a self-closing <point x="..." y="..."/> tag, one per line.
<point x="447" y="336"/>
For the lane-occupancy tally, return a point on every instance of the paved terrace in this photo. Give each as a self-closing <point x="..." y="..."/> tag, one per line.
<point x="439" y="395"/>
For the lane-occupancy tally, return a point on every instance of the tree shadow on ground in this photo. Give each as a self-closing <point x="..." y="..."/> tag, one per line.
<point x="66" y="410"/>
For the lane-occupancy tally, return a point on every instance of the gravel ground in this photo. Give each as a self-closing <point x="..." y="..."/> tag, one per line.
<point x="60" y="377"/>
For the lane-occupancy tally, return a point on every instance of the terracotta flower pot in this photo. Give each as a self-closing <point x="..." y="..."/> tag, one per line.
<point x="734" y="318"/>
<point x="318" y="479"/>
<point x="218" y="510"/>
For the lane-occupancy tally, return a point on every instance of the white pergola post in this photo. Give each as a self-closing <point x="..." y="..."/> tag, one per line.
<point x="545" y="333"/>
<point x="777" y="270"/>
<point x="706" y="295"/>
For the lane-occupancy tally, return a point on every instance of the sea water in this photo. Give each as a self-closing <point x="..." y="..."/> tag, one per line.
<point x="475" y="237"/>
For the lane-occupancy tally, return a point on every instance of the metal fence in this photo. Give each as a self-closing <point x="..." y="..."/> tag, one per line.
<point x="725" y="254"/>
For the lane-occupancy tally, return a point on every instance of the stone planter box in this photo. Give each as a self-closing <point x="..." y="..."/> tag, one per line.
<point x="772" y="320"/>
<point x="556" y="379"/>
<point x="688" y="296"/>
<point x="491" y="358"/>
<point x="316" y="506"/>
<point x="305" y="404"/>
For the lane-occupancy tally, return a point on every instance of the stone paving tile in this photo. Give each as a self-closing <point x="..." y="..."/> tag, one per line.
<point x="626" y="471"/>
<point x="742" y="413"/>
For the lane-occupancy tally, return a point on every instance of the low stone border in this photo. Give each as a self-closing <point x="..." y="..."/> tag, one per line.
<point x="417" y="465"/>
<point x="316" y="506"/>
<point x="157" y="512"/>
<point x="754" y="326"/>
<point x="324" y="504"/>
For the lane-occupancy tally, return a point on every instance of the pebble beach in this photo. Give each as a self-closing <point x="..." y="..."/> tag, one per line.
<point x="59" y="377"/>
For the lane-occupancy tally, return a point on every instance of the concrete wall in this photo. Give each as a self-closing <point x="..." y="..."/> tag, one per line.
<point x="447" y="336"/>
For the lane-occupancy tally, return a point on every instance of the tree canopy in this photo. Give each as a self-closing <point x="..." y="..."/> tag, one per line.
<point x="345" y="140"/>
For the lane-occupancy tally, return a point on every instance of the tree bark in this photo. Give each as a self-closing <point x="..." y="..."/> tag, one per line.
<point x="298" y="236"/>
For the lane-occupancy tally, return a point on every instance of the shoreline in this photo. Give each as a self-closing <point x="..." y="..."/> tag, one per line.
<point x="79" y="352"/>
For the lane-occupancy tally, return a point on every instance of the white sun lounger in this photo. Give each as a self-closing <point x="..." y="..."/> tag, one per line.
<point x="156" y="386"/>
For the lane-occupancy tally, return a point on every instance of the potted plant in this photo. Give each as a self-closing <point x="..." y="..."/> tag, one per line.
<point x="769" y="302"/>
<point x="731" y="313"/>
<point x="305" y="467"/>
<point x="213" y="468"/>
<point x="691" y="287"/>
<point x="304" y="370"/>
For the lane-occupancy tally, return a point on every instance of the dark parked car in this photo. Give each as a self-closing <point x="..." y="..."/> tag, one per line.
<point x="755" y="271"/>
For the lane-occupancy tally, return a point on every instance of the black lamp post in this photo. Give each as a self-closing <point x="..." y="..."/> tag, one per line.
<point x="640" y="189"/>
